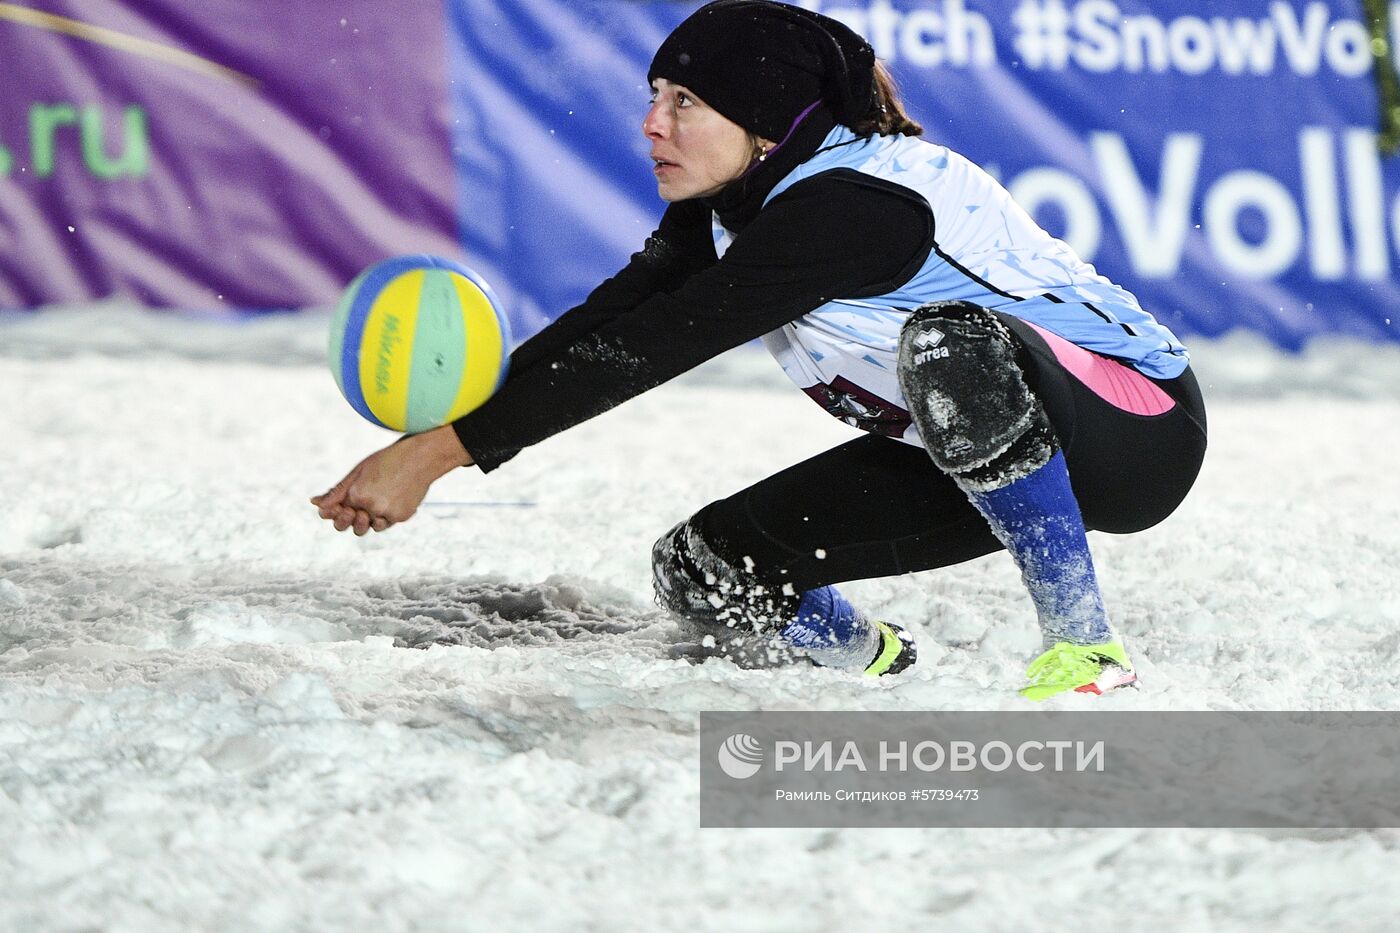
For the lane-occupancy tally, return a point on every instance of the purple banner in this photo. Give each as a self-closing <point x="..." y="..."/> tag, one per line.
<point x="219" y="154"/>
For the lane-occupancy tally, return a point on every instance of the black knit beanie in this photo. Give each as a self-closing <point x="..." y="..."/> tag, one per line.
<point x="762" y="64"/>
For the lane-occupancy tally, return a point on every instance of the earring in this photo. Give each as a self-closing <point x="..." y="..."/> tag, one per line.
<point x="763" y="153"/>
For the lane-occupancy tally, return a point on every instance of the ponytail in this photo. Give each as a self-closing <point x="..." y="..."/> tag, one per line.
<point x="886" y="115"/>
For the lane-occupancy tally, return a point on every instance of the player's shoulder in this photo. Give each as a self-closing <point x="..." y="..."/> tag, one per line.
<point x="847" y="193"/>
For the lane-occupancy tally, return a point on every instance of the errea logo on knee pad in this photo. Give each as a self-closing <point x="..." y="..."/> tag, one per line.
<point x="937" y="353"/>
<point x="928" y="337"/>
<point x="928" y="342"/>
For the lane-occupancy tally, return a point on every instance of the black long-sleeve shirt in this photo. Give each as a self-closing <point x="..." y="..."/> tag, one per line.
<point x="675" y="305"/>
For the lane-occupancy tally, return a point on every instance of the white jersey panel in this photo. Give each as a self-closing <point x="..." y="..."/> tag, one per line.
<point x="987" y="251"/>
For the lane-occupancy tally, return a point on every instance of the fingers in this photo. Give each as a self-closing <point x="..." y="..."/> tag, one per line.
<point x="334" y="497"/>
<point x="350" y="506"/>
<point x="360" y="521"/>
<point x="331" y="504"/>
<point x="328" y="502"/>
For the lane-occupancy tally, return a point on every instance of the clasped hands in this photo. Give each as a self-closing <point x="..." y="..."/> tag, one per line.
<point x="387" y="487"/>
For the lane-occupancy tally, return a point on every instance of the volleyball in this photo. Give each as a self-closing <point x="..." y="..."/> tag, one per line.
<point x="418" y="341"/>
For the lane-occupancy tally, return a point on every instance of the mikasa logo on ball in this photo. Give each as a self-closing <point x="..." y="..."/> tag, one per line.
<point x="740" y="756"/>
<point x="386" y="352"/>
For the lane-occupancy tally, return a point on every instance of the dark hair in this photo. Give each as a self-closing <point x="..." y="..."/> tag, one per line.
<point x="886" y="115"/>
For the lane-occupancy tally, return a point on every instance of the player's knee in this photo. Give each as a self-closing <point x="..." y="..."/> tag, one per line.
<point x="692" y="580"/>
<point x="681" y="584"/>
<point x="956" y="347"/>
<point x="966" y="393"/>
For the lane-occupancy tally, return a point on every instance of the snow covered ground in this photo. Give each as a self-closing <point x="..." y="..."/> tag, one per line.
<point x="211" y="716"/>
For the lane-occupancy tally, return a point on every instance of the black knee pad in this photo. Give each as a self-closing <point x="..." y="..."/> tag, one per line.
<point x="693" y="581"/>
<point x="966" y="392"/>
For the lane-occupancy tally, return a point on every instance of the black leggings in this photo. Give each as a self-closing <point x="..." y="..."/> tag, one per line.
<point x="876" y="507"/>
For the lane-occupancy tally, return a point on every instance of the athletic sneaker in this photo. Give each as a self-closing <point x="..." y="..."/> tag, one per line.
<point x="1094" y="669"/>
<point x="897" y="651"/>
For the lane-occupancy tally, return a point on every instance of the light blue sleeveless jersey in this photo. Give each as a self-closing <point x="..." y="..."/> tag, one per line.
<point x="987" y="251"/>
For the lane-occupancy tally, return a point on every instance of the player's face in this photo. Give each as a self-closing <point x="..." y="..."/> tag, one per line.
<point x="696" y="150"/>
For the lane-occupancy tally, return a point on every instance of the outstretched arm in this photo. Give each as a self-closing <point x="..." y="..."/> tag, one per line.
<point x="825" y="238"/>
<point x="828" y="237"/>
<point x="680" y="247"/>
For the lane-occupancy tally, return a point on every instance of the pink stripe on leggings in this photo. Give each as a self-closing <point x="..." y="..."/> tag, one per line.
<point x="1121" y="386"/>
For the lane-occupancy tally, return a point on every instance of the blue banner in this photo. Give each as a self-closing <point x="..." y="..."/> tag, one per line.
<point x="1219" y="161"/>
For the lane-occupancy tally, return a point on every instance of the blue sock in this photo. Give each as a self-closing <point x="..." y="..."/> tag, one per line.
<point x="831" y="631"/>
<point x="1037" y="518"/>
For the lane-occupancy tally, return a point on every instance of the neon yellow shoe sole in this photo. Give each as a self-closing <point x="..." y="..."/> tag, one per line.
<point x="897" y="651"/>
<point x="1094" y="669"/>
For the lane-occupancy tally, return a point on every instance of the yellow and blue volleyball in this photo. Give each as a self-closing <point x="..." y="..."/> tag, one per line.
<point x="418" y="341"/>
